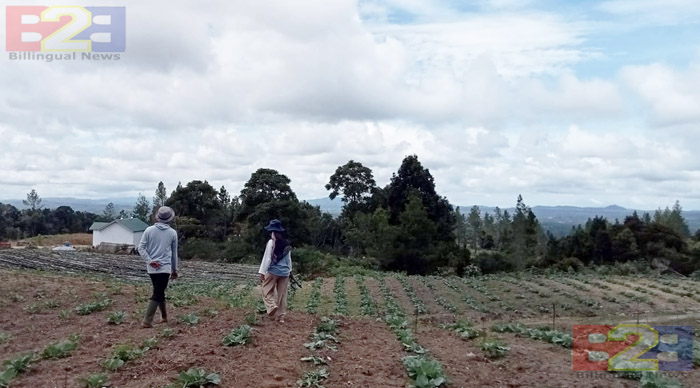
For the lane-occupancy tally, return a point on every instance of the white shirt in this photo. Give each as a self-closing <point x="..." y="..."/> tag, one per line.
<point x="267" y="257"/>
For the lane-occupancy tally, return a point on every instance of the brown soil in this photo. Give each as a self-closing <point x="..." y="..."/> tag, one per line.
<point x="428" y="297"/>
<point x="529" y="364"/>
<point x="367" y="357"/>
<point x="327" y="301"/>
<point x="660" y="304"/>
<point x="464" y="310"/>
<point x="401" y="298"/>
<point x="353" y="296"/>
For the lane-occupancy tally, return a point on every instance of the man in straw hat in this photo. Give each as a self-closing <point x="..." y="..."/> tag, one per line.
<point x="158" y="248"/>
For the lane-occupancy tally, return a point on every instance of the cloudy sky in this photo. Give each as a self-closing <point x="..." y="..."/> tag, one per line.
<point x="585" y="103"/>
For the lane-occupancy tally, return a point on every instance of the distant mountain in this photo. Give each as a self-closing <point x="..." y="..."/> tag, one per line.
<point x="96" y="206"/>
<point x="335" y="206"/>
<point x="556" y="219"/>
<point x="560" y="219"/>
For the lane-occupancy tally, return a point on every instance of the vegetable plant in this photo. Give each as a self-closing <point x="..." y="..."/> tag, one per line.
<point x="238" y="336"/>
<point x="494" y="349"/>
<point x="96" y="380"/>
<point x="313" y="379"/>
<point x="424" y="372"/>
<point x="116" y="317"/>
<point x="59" y="350"/>
<point x="196" y="378"/>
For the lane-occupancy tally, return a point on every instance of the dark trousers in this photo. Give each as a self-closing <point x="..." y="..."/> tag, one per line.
<point x="160" y="283"/>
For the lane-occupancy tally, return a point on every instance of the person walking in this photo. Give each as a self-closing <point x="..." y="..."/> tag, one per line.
<point x="158" y="248"/>
<point x="275" y="269"/>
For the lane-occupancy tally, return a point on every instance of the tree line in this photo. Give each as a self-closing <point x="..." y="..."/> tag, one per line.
<point x="404" y="225"/>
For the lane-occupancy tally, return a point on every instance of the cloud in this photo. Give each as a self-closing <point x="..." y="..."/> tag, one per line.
<point x="654" y="11"/>
<point x="490" y="97"/>
<point x="672" y="95"/>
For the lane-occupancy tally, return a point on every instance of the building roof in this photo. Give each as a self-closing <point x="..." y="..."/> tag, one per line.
<point x="99" y="225"/>
<point x="132" y="224"/>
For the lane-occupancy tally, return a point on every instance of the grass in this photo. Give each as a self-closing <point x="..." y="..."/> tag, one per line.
<point x="60" y="239"/>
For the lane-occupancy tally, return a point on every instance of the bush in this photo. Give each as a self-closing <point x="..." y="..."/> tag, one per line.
<point x="201" y="249"/>
<point x="492" y="262"/>
<point x="569" y="263"/>
<point x="310" y="261"/>
<point x="236" y="249"/>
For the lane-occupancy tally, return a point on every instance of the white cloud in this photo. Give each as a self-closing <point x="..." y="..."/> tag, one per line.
<point x="654" y="11"/>
<point x="672" y="95"/>
<point x="491" y="102"/>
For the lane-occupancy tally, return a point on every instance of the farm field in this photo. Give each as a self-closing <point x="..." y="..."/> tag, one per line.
<point x="79" y="320"/>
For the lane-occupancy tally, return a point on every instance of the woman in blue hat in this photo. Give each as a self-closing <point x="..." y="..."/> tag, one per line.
<point x="274" y="271"/>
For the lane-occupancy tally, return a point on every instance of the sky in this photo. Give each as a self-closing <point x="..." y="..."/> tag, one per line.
<point x="583" y="103"/>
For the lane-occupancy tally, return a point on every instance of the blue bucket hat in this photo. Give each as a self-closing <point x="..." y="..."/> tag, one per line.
<point x="274" y="226"/>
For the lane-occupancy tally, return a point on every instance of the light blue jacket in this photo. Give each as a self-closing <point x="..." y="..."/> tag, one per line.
<point x="159" y="244"/>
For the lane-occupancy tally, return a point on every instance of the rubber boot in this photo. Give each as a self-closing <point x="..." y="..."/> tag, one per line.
<point x="163" y="312"/>
<point x="150" y="312"/>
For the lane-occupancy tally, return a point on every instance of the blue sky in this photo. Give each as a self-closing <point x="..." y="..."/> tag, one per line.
<point x="586" y="103"/>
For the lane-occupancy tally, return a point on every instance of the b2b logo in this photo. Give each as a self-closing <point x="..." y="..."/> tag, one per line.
<point x="66" y="28"/>
<point x="629" y="347"/>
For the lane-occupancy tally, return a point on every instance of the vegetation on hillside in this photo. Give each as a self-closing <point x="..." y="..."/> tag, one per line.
<point x="404" y="226"/>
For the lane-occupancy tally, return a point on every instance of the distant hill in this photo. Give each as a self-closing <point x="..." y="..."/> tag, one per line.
<point x="556" y="219"/>
<point x="560" y="219"/>
<point x="96" y="206"/>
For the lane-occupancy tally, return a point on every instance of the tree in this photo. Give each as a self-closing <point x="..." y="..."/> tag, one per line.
<point x="265" y="185"/>
<point x="474" y="226"/>
<point x="356" y="184"/>
<point x="161" y="196"/>
<point x="673" y="219"/>
<point x="525" y="230"/>
<point x="142" y="209"/>
<point x="110" y="213"/>
<point x="415" y="239"/>
<point x="412" y="178"/>
<point x="460" y="228"/>
<point x="33" y="200"/>
<point x="199" y="201"/>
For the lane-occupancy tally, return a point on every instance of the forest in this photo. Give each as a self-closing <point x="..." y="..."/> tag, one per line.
<point x="404" y="225"/>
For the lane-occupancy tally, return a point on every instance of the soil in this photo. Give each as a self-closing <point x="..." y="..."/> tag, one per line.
<point x="367" y="357"/>
<point x="529" y="364"/>
<point x="376" y="294"/>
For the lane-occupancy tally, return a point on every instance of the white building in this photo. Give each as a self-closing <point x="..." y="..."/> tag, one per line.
<point x="118" y="232"/>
